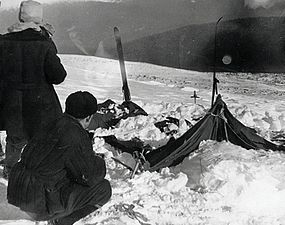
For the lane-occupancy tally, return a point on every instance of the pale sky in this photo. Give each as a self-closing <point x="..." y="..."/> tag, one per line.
<point x="16" y="3"/>
<point x="249" y="3"/>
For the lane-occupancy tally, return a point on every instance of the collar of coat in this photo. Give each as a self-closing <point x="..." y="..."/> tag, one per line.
<point x="21" y="26"/>
<point x="73" y="119"/>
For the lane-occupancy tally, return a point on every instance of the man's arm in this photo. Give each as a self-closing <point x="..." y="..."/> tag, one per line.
<point x="83" y="166"/>
<point x="54" y="70"/>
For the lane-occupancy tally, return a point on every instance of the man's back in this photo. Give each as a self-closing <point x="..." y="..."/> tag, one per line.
<point x="24" y="56"/>
<point x="59" y="177"/>
<point x="29" y="68"/>
<point x="58" y="156"/>
<point x="40" y="169"/>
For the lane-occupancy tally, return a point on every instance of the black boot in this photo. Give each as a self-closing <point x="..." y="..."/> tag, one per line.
<point x="1" y="151"/>
<point x="52" y="222"/>
<point x="75" y="216"/>
<point x="5" y="173"/>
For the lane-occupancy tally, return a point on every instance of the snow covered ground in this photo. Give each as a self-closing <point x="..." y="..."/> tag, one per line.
<point x="239" y="187"/>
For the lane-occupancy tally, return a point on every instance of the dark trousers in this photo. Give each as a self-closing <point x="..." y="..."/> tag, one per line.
<point x="17" y="136"/>
<point x="14" y="147"/>
<point x="1" y="150"/>
<point x="13" y="124"/>
<point x="79" y="202"/>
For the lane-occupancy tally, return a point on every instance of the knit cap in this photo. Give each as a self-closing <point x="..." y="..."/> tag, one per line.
<point x="80" y="104"/>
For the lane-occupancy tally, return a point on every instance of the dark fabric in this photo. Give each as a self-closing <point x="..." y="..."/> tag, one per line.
<point x="81" y="104"/>
<point x="107" y="116"/>
<point x="163" y="125"/>
<point x="82" y="200"/>
<point x="133" y="108"/>
<point x="1" y="150"/>
<point x="102" y="121"/>
<point x="14" y="147"/>
<point x="130" y="146"/>
<point x="29" y="67"/>
<point x="77" y="215"/>
<point x="219" y="124"/>
<point x="57" y="160"/>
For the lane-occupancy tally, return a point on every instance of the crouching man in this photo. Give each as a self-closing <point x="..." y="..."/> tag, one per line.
<point x="59" y="177"/>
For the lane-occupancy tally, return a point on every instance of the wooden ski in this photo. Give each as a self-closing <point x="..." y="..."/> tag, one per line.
<point x="125" y="88"/>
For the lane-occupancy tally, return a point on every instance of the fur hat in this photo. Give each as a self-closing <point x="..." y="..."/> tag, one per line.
<point x="80" y="104"/>
<point x="31" y="11"/>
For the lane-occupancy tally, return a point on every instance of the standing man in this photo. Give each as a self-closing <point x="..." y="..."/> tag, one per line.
<point x="29" y="66"/>
<point x="59" y="177"/>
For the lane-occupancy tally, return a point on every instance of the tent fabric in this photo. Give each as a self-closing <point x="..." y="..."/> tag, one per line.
<point x="218" y="124"/>
<point x="130" y="146"/>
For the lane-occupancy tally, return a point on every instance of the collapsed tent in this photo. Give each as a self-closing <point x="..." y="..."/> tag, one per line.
<point x="218" y="124"/>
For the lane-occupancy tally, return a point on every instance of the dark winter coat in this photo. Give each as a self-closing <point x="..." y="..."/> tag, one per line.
<point x="29" y="67"/>
<point x="58" y="157"/>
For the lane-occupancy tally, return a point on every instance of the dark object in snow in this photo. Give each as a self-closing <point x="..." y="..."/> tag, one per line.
<point x="131" y="146"/>
<point x="128" y="209"/>
<point x="109" y="113"/>
<point x="163" y="126"/>
<point x="218" y="124"/>
<point x="278" y="136"/>
<point x="195" y="96"/>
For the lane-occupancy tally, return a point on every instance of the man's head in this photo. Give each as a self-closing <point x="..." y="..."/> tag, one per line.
<point x="31" y="11"/>
<point x="81" y="105"/>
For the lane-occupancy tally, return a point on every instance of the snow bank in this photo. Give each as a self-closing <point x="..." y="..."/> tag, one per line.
<point x="229" y="185"/>
<point x="222" y="184"/>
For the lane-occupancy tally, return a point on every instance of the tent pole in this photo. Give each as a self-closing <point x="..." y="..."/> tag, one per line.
<point x="214" y="88"/>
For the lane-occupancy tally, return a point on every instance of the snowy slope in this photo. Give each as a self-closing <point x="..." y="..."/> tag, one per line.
<point x="239" y="187"/>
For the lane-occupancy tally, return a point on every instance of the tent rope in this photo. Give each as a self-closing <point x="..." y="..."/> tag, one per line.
<point x="222" y="116"/>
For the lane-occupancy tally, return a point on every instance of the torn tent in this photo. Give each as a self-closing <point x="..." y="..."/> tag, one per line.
<point x="218" y="124"/>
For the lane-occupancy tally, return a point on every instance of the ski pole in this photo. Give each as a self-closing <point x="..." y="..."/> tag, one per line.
<point x="215" y="81"/>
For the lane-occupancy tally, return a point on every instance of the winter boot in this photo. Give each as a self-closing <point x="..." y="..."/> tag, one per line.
<point x="75" y="216"/>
